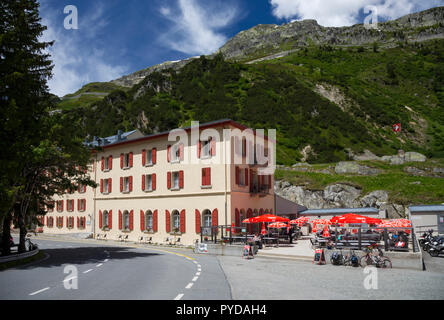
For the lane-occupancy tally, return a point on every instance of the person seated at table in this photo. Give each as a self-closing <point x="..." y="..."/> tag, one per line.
<point x="257" y="240"/>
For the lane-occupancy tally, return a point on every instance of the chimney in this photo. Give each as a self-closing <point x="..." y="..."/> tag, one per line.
<point x="119" y="135"/>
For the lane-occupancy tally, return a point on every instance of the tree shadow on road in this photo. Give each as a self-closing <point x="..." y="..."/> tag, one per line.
<point x="84" y="255"/>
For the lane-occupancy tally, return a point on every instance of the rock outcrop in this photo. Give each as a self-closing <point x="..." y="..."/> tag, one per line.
<point x="353" y="167"/>
<point x="338" y="195"/>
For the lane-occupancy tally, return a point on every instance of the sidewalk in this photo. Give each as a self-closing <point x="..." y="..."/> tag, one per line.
<point x="301" y="250"/>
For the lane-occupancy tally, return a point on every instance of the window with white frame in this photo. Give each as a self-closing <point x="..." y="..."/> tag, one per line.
<point x="149" y="157"/>
<point x="148" y="182"/>
<point x="105" y="219"/>
<point x="126" y="220"/>
<point x="206" y="222"/>
<point x="149" y="220"/>
<point x="70" y="205"/>
<point x="176" y="221"/>
<point x="82" y="204"/>
<point x="60" y="205"/>
<point x="106" y="186"/>
<point x="206" y="148"/>
<point x="175" y="180"/>
<point x="126" y="184"/>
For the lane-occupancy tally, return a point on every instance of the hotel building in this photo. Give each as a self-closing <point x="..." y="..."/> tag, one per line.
<point x="158" y="188"/>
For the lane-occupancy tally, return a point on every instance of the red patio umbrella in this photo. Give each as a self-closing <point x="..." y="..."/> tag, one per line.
<point x="354" y="218"/>
<point x="278" y="225"/>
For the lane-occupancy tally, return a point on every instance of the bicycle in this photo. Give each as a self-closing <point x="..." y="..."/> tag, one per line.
<point x="378" y="260"/>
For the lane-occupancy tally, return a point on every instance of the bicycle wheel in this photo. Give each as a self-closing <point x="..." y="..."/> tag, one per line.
<point x="386" y="263"/>
<point x="365" y="261"/>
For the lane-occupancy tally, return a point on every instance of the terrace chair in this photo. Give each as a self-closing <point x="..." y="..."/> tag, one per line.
<point x="120" y="237"/>
<point x="167" y="240"/>
<point x="149" y="239"/>
<point x="104" y="237"/>
<point x="140" y="239"/>
<point x="125" y="238"/>
<point x="177" y="241"/>
<point x="98" y="236"/>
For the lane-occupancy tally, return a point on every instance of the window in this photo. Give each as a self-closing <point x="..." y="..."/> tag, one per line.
<point x="60" y="205"/>
<point x="126" y="184"/>
<point x="206" y="149"/>
<point x="126" y="220"/>
<point x="82" y="188"/>
<point x="70" y="205"/>
<point x="241" y="177"/>
<point x="149" y="220"/>
<point x="82" y="223"/>
<point x="149" y="157"/>
<point x="206" y="222"/>
<point x="176" y="221"/>
<point x="105" y="219"/>
<point x="81" y="204"/>
<point x="70" y="222"/>
<point x="50" y="206"/>
<point x="149" y="182"/>
<point x="105" y="185"/>
<point x="126" y="160"/>
<point x="175" y="180"/>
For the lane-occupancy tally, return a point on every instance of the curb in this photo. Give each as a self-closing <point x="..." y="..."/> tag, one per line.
<point x="19" y="256"/>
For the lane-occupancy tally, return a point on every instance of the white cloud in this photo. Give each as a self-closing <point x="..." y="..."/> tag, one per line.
<point x="345" y="12"/>
<point x="76" y="58"/>
<point x="196" y="27"/>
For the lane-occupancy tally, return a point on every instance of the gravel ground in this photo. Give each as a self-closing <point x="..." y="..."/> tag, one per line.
<point x="273" y="279"/>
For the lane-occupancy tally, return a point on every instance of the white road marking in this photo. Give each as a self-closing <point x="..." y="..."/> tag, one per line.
<point x="99" y="265"/>
<point x="197" y="273"/>
<point x="198" y="266"/>
<point x="195" y="261"/>
<point x="199" y="269"/>
<point x="179" y="296"/>
<point x="88" y="271"/>
<point x="106" y="260"/>
<point x="195" y="278"/>
<point x="34" y="293"/>
<point x="189" y="285"/>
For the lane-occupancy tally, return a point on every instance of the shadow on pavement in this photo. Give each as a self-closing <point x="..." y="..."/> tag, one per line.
<point x="84" y="255"/>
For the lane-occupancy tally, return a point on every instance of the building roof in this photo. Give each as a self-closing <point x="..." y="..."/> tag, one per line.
<point x="340" y="211"/>
<point x="119" y="137"/>
<point x="284" y="206"/>
<point x="427" y="208"/>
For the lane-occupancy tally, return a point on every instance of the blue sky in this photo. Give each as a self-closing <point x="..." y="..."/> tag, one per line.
<point x="118" y="37"/>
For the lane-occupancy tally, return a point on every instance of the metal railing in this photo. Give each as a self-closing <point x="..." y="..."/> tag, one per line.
<point x="360" y="237"/>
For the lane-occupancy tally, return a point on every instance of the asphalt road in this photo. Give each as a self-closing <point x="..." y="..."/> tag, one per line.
<point x="114" y="272"/>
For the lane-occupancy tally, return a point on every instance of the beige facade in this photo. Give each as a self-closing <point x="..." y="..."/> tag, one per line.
<point x="180" y="195"/>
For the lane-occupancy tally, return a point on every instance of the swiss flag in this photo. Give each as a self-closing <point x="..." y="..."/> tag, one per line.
<point x="397" y="127"/>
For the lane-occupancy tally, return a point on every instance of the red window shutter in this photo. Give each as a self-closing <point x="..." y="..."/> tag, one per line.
<point x="213" y="147"/>
<point x="154" y="155"/>
<point x="131" y="159"/>
<point x="251" y="179"/>
<point x="78" y="224"/>
<point x="131" y="220"/>
<point x="237" y="175"/>
<point x="110" y="219"/>
<point x="121" y="160"/>
<point x="199" y="146"/>
<point x="168" y="153"/>
<point x="131" y="183"/>
<point x="169" y="180"/>
<point x="153" y="181"/>
<point x="110" y="184"/>
<point x="100" y="219"/>
<point x="143" y="157"/>
<point x="143" y="182"/>
<point x="236" y="217"/>
<point x="155" y="221"/>
<point x="110" y="162"/>
<point x="103" y="163"/>
<point x="142" y="221"/>
<point x="84" y="188"/>
<point x="204" y="176"/>
<point x="181" y="151"/>
<point x="61" y="205"/>
<point x="167" y="221"/>
<point x="208" y="176"/>
<point x="246" y="177"/>
<point x="47" y="219"/>
<point x="197" y="213"/>
<point x="182" y="221"/>
<point x="78" y="204"/>
<point x="214" y="218"/>
<point x="101" y="185"/>
<point x="269" y="181"/>
<point x="120" y="220"/>
<point x="181" y="179"/>
<point x="84" y="204"/>
<point x="121" y="184"/>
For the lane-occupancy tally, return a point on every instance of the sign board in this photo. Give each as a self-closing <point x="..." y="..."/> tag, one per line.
<point x="202" y="248"/>
<point x="319" y="257"/>
<point x="244" y="230"/>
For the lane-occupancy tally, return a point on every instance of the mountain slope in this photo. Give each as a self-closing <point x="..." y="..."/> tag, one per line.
<point x="323" y="99"/>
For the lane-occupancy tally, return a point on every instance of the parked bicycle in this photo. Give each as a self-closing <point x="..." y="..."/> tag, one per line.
<point x="378" y="260"/>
